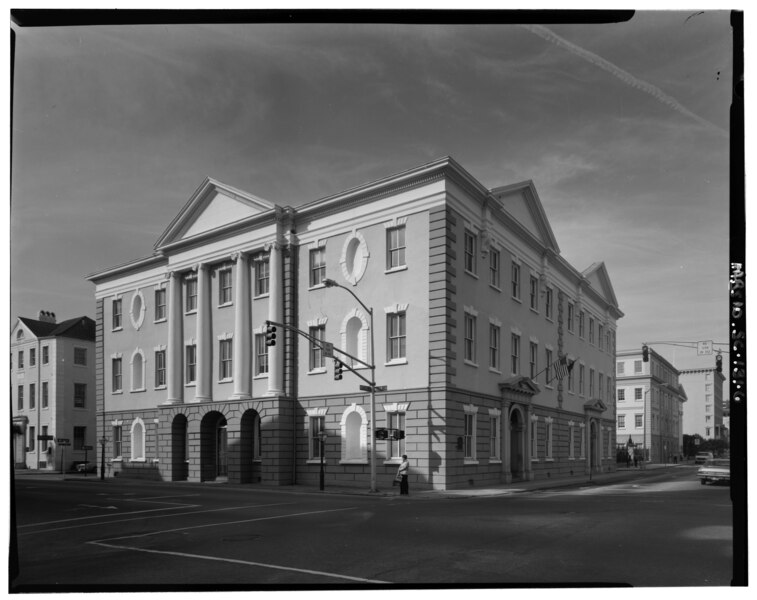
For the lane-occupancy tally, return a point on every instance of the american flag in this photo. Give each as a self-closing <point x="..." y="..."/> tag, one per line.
<point x="563" y="367"/>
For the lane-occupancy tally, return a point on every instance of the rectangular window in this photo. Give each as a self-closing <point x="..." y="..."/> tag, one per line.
<point x="224" y="358"/>
<point x="533" y="353"/>
<point x="80" y="438"/>
<point x="600" y="336"/>
<point x="470" y="252"/>
<point x="571" y="315"/>
<point x="191" y="363"/>
<point x="32" y="357"/>
<point x="20" y="359"/>
<point x="317" y="361"/>
<point x="80" y="395"/>
<point x="621" y="421"/>
<point x="395" y="247"/>
<point x="262" y="277"/>
<point x="547" y="362"/>
<point x="494" y="343"/>
<point x="117" y="375"/>
<point x="469" y="436"/>
<point x="80" y="357"/>
<point x="45" y="443"/>
<point x="395" y="422"/>
<point x="32" y="439"/>
<point x="45" y="355"/>
<point x="591" y="330"/>
<point x="224" y="286"/>
<point x="570" y="380"/>
<point x="637" y="393"/>
<point x="638" y="421"/>
<point x="601" y="385"/>
<point x="190" y="287"/>
<point x="261" y="355"/>
<point x="317" y="266"/>
<point x="117" y="441"/>
<point x="396" y="329"/>
<point x="469" y="347"/>
<point x="548" y="440"/>
<point x="533" y="291"/>
<point x="515" y="280"/>
<point x="591" y="383"/>
<point x="317" y="425"/>
<point x="581" y="372"/>
<point x="548" y="306"/>
<point x="160" y="368"/>
<point x="534" y="439"/>
<point x="21" y="397"/>
<point x="32" y="395"/>
<point x="494" y="267"/>
<point x="160" y="304"/>
<point x="637" y="366"/>
<point x="494" y="439"/>
<point x="621" y="368"/>
<point x="45" y="394"/>
<point x="621" y="395"/>
<point x="581" y="322"/>
<point x="117" y="316"/>
<point x="514" y="354"/>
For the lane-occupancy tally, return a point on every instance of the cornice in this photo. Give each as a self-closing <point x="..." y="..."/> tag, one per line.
<point x="132" y="266"/>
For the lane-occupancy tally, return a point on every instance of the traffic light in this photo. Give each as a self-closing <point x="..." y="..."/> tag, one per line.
<point x="398" y="434"/>
<point x="719" y="363"/>
<point x="270" y="334"/>
<point x="382" y="434"/>
<point x="338" y="367"/>
<point x="645" y="353"/>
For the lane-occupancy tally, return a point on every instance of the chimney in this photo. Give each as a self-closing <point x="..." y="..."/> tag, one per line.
<point x="46" y="317"/>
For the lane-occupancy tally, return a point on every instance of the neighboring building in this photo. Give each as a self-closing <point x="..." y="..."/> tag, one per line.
<point x="52" y="391"/>
<point x="649" y="400"/>
<point x="470" y="302"/>
<point x="704" y="414"/>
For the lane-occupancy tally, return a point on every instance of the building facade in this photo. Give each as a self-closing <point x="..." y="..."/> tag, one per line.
<point x="52" y="391"/>
<point x="456" y="293"/>
<point x="704" y="414"/>
<point x="650" y="405"/>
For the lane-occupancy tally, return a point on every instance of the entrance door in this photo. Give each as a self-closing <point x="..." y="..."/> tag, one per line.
<point x="222" y="456"/>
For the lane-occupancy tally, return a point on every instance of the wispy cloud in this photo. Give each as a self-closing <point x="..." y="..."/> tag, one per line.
<point x="621" y="74"/>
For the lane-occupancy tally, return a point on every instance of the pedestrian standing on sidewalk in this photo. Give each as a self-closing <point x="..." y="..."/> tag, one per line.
<point x="402" y="474"/>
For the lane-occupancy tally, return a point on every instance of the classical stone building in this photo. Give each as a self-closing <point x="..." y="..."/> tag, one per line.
<point x="52" y="391"/>
<point x="456" y="293"/>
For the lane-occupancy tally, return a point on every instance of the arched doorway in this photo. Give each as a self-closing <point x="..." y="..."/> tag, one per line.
<point x="214" y="464"/>
<point x="516" y="444"/>
<point x="179" y="457"/>
<point x="249" y="447"/>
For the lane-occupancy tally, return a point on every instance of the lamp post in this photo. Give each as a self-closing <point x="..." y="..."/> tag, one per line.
<point x="322" y="438"/>
<point x="332" y="283"/>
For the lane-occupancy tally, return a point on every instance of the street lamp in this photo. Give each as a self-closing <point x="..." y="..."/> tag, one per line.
<point x="332" y="283"/>
<point x="322" y="438"/>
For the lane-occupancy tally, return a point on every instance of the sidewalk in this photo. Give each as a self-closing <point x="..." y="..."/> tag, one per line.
<point x="582" y="480"/>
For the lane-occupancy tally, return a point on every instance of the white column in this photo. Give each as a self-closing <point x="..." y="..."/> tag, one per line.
<point x="204" y="338"/>
<point x="175" y="349"/>
<point x="242" y="333"/>
<point x="276" y="313"/>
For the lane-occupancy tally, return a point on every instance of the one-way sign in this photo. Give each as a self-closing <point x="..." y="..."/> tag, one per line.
<point x="63" y="441"/>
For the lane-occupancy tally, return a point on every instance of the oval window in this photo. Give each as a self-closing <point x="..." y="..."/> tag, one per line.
<point x="354" y="257"/>
<point x="137" y="312"/>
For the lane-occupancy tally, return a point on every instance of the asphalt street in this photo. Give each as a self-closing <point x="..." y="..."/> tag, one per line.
<point x="644" y="529"/>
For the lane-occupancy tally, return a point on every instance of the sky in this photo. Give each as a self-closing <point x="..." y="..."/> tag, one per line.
<point x="622" y="127"/>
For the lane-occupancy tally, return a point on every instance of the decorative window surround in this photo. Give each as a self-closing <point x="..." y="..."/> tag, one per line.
<point x="472" y="410"/>
<point x="396" y="308"/>
<point x="362" y="336"/>
<point x="350" y="436"/>
<point x="318" y="321"/>
<point x="137" y="309"/>
<point x="354" y="259"/>
<point x="137" y="370"/>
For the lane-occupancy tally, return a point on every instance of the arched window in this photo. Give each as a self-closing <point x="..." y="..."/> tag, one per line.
<point x="137" y="371"/>
<point x="355" y="333"/>
<point x="138" y="440"/>
<point x="354" y="427"/>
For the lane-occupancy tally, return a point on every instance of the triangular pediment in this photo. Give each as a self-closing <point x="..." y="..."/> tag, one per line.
<point x="213" y="205"/>
<point x="520" y="384"/>
<point x="522" y="203"/>
<point x="597" y="277"/>
<point x="595" y="405"/>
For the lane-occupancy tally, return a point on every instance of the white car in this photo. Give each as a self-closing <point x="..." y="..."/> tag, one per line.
<point x="716" y="469"/>
<point x="702" y="457"/>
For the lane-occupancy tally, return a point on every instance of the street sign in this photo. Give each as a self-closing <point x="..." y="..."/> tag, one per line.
<point x="63" y="441"/>
<point x="328" y="349"/>
<point x="45" y="438"/>
<point x="378" y="388"/>
<point x="87" y="447"/>
<point x="704" y="348"/>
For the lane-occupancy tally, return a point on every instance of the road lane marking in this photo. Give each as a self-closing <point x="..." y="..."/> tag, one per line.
<point x="241" y="562"/>
<point x="135" y="512"/>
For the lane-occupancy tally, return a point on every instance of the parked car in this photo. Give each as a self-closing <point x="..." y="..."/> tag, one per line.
<point x="716" y="469"/>
<point x="702" y="457"/>
<point x="86" y="467"/>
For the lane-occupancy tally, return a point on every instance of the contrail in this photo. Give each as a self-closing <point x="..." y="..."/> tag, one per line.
<point x="624" y="76"/>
